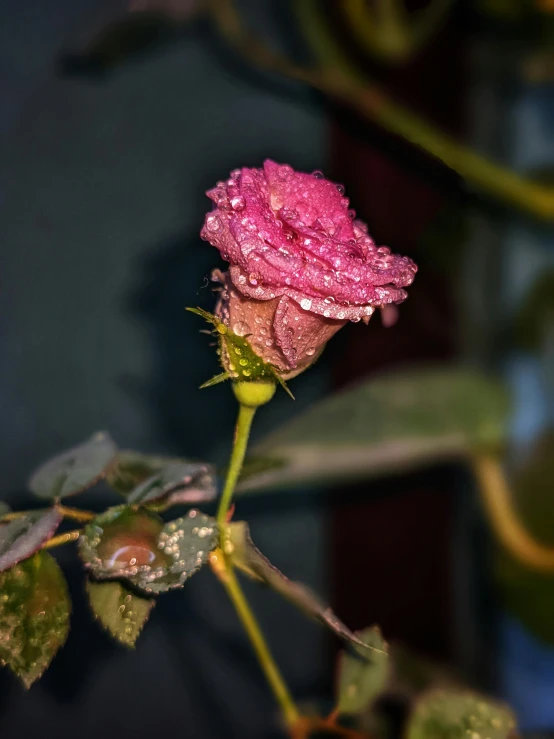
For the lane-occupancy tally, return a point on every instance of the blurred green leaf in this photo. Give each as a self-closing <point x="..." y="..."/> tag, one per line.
<point x="177" y="482"/>
<point x="536" y="314"/>
<point x="444" y="714"/>
<point x="119" y="610"/>
<point x="4" y="508"/>
<point x="74" y="470"/>
<point x="526" y="593"/>
<point x="137" y="546"/>
<point x="413" y="673"/>
<point x="363" y="677"/>
<point x="22" y="537"/>
<point x="384" y="425"/>
<point x="247" y="557"/>
<point x="34" y="616"/>
<point x="129" y="469"/>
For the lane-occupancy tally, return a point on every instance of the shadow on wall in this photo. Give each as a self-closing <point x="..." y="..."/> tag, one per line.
<point x="174" y="276"/>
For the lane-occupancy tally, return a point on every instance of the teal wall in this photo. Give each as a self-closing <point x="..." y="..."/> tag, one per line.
<point x="101" y="200"/>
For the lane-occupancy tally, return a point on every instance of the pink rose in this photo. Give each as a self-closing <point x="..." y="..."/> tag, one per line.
<point x="301" y="266"/>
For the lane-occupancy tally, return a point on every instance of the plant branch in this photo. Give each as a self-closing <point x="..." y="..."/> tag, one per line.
<point x="242" y="434"/>
<point x="12" y="516"/>
<point x="225" y="572"/>
<point x="503" y="518"/>
<point x="338" y="80"/>
<point x="57" y="541"/>
<point x="76" y="514"/>
<point x="390" y="31"/>
<point x="228" y="578"/>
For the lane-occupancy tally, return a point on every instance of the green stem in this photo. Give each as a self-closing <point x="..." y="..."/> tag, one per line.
<point x="265" y="658"/>
<point x="242" y="434"/>
<point x="227" y="575"/>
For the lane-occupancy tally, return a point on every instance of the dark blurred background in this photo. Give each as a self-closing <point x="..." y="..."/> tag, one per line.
<point x="114" y="123"/>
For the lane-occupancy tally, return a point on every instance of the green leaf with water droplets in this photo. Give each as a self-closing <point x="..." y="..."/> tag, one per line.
<point x="121" y="611"/>
<point x="22" y="537"/>
<point x="445" y="714"/>
<point x="244" y="555"/>
<point x="395" y="422"/>
<point x="34" y="615"/>
<point x="125" y="544"/>
<point x="244" y="364"/>
<point x="74" y="470"/>
<point x="363" y="676"/>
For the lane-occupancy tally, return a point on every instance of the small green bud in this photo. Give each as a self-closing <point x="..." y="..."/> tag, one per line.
<point x="254" y="393"/>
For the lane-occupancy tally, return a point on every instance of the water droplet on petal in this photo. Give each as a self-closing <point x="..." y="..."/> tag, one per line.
<point x="238" y="202"/>
<point x="213" y="223"/>
<point x="284" y="171"/>
<point x="240" y="329"/>
<point x="340" y="188"/>
<point x="317" y="174"/>
<point x="305" y="303"/>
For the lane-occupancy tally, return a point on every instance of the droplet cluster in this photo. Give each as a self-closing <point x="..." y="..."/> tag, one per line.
<point x="294" y="234"/>
<point x="459" y="714"/>
<point x="179" y="549"/>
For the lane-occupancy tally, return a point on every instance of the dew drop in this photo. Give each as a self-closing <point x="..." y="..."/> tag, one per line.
<point x="284" y="171"/>
<point x="317" y="174"/>
<point x="311" y="351"/>
<point x="340" y="188"/>
<point x="238" y="202"/>
<point x="213" y="223"/>
<point x="306" y="304"/>
<point x="240" y="329"/>
<point x="243" y="362"/>
<point x="247" y="372"/>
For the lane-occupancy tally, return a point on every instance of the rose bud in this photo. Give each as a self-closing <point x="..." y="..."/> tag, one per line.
<point x="301" y="266"/>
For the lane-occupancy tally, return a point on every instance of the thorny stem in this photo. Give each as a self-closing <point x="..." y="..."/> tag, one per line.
<point x="498" y="504"/>
<point x="340" y="82"/>
<point x="224" y="570"/>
